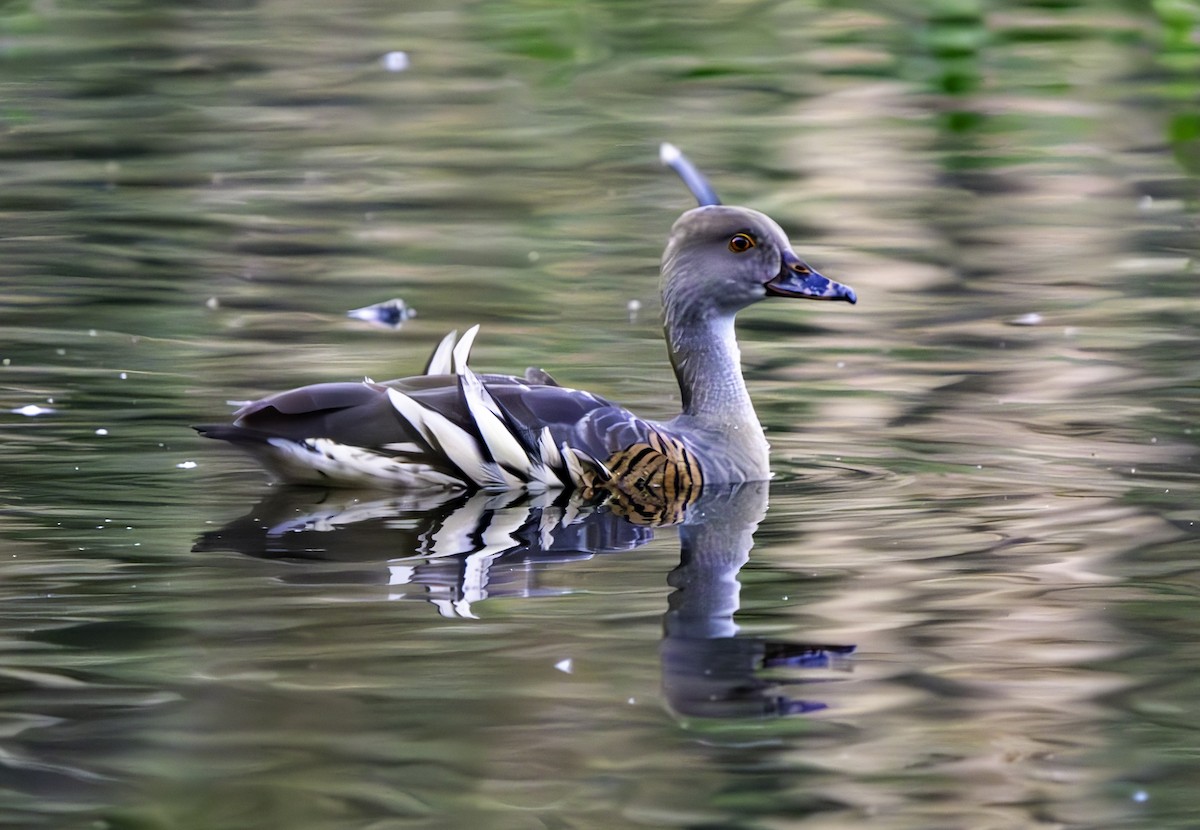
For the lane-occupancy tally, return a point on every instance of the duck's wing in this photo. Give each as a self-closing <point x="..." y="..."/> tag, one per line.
<point x="458" y="430"/>
<point x="332" y="433"/>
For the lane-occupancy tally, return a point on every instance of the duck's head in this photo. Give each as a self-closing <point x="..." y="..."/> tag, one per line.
<point x="721" y="259"/>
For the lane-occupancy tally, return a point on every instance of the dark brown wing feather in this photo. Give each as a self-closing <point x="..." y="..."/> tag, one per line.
<point x="361" y="415"/>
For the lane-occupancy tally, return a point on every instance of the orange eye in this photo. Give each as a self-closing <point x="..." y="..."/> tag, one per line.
<point x="740" y="243"/>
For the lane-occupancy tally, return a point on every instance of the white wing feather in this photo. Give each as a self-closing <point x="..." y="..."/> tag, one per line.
<point x="439" y="361"/>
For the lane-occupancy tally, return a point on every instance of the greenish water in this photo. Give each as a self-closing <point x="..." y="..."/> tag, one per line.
<point x="969" y="598"/>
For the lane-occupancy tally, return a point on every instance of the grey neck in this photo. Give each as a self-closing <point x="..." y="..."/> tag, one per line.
<point x="708" y="367"/>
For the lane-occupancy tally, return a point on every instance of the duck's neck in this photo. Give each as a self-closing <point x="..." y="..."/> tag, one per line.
<point x="708" y="367"/>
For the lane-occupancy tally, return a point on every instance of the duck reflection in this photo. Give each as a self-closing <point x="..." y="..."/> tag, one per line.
<point x="708" y="670"/>
<point x="456" y="550"/>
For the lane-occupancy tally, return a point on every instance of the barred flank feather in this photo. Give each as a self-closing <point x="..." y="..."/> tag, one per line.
<point x="660" y="460"/>
<point x="654" y="481"/>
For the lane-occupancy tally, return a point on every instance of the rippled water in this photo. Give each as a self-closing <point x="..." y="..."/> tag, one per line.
<point x="968" y="598"/>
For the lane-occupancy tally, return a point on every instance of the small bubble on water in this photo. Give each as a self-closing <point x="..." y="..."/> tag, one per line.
<point x="101" y="431"/>
<point x="1030" y="319"/>
<point x="187" y="465"/>
<point x="1140" y="796"/>
<point x="124" y="376"/>
<point x="395" y="61"/>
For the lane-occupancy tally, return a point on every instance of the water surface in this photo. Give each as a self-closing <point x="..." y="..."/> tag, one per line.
<point x="967" y="598"/>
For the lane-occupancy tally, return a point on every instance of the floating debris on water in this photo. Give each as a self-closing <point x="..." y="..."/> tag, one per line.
<point x="187" y="465"/>
<point x="391" y="314"/>
<point x="212" y="303"/>
<point x="566" y="665"/>
<point x="102" y="431"/>
<point x="633" y="307"/>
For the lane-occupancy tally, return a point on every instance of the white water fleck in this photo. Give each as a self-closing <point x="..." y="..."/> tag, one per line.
<point x="396" y="61"/>
<point x="32" y="410"/>
<point x="1030" y="319"/>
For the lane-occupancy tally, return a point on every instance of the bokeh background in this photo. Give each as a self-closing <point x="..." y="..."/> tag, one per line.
<point x="986" y="471"/>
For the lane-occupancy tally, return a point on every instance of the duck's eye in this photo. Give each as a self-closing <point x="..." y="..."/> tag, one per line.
<point x="740" y="243"/>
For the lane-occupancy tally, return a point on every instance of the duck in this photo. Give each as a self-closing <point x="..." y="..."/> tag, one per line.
<point x="455" y="429"/>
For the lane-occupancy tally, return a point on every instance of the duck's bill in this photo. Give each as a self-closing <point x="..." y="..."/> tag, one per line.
<point x="797" y="279"/>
